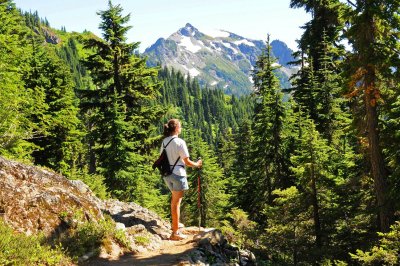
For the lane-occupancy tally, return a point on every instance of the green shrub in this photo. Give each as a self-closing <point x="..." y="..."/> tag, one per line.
<point x="95" y="183"/>
<point x="89" y="236"/>
<point x="240" y="230"/>
<point x="142" y="240"/>
<point x="386" y="253"/>
<point x="19" y="249"/>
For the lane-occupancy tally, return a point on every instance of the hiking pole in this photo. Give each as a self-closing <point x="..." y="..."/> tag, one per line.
<point x="199" y="194"/>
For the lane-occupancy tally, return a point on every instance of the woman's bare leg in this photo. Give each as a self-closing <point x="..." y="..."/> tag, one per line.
<point x="176" y="209"/>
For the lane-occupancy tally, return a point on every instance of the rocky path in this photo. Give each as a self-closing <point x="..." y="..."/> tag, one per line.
<point x="207" y="247"/>
<point x="169" y="253"/>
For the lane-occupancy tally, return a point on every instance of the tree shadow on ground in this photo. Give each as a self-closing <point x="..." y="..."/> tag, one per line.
<point x="129" y="219"/>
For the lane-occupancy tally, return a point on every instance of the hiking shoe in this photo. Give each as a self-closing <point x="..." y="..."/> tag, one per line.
<point x="181" y="225"/>
<point x="178" y="236"/>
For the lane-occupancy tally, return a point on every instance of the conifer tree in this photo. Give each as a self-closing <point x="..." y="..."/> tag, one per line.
<point x="391" y="142"/>
<point x="214" y="198"/>
<point x="325" y="25"/>
<point x="69" y="53"/>
<point x="15" y="126"/>
<point x="328" y="97"/>
<point x="242" y="165"/>
<point x="123" y="117"/>
<point x="226" y="154"/>
<point x="373" y="29"/>
<point x="310" y="165"/>
<point x="288" y="236"/>
<point x="58" y="134"/>
<point x="300" y="214"/>
<point x="267" y="143"/>
<point x="306" y="89"/>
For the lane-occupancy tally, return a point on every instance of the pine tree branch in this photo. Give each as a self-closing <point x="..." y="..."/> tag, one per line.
<point x="351" y="3"/>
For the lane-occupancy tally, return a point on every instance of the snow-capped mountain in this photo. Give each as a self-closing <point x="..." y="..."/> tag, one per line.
<point x="218" y="58"/>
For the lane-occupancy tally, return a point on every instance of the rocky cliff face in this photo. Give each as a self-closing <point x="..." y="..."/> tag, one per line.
<point x="32" y="199"/>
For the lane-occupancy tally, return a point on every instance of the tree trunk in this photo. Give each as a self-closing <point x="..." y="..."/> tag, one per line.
<point x="91" y="152"/>
<point x="379" y="172"/>
<point x="269" y="186"/>
<point x="202" y="203"/>
<point x="314" y="201"/>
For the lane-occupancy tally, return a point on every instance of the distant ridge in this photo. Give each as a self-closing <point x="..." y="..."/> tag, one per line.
<point x="217" y="59"/>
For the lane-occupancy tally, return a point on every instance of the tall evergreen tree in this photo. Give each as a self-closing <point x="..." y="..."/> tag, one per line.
<point x="373" y="30"/>
<point x="242" y="164"/>
<point x="214" y="199"/>
<point x="14" y="99"/>
<point x="327" y="16"/>
<point x="54" y="110"/>
<point x="267" y="142"/>
<point x="316" y="85"/>
<point x="306" y="89"/>
<point x="310" y="165"/>
<point x="391" y="142"/>
<point x="122" y="114"/>
<point x="328" y="99"/>
<point x="226" y="154"/>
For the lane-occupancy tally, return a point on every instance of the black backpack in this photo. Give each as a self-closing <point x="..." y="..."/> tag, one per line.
<point x="163" y="164"/>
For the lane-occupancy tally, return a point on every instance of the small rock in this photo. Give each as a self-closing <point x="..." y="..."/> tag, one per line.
<point x="138" y="228"/>
<point x="120" y="226"/>
<point x="87" y="256"/>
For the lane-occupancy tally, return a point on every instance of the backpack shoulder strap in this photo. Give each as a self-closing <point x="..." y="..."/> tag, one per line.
<point x="168" y="142"/>
<point x="165" y="146"/>
<point x="175" y="163"/>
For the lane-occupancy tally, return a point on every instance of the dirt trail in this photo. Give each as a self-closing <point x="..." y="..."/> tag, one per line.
<point x="170" y="253"/>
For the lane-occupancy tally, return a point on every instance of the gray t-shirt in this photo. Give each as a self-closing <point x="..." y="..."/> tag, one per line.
<point x="176" y="148"/>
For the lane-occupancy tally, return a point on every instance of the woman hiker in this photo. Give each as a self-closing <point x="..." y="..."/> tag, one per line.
<point x="177" y="181"/>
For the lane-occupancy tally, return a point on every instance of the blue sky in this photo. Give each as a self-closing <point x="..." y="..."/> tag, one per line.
<point x="152" y="19"/>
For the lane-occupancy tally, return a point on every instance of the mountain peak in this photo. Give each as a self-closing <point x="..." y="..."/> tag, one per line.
<point x="188" y="30"/>
<point x="217" y="58"/>
<point x="188" y="25"/>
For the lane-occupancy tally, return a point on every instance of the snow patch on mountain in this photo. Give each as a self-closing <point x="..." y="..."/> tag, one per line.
<point x="245" y="42"/>
<point x="229" y="45"/>
<point x="205" y="46"/>
<point x="217" y="33"/>
<point x="193" y="72"/>
<point x="216" y="47"/>
<point x="189" y="45"/>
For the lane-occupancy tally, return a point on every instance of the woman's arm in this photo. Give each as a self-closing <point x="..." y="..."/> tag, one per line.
<point x="190" y="163"/>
